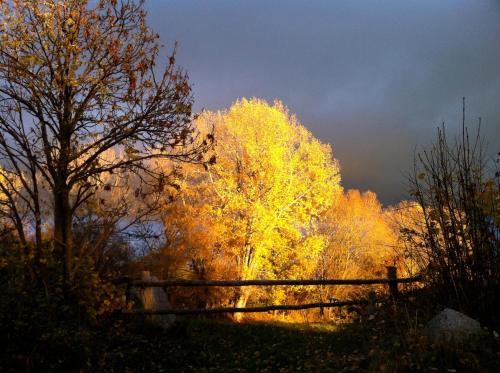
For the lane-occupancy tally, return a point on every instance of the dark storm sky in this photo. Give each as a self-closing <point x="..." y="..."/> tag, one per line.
<point x="372" y="78"/>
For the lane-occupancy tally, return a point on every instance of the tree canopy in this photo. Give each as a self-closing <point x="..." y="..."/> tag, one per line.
<point x="254" y="210"/>
<point x="78" y="78"/>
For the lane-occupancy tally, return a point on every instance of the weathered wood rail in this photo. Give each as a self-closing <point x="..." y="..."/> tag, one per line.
<point x="392" y="281"/>
<point x="275" y="307"/>
<point x="230" y="283"/>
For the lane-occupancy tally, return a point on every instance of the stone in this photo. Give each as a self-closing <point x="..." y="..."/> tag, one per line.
<point x="451" y="325"/>
<point x="153" y="298"/>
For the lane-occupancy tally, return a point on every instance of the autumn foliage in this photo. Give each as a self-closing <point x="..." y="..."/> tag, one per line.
<point x="80" y="79"/>
<point x="271" y="206"/>
<point x="105" y="171"/>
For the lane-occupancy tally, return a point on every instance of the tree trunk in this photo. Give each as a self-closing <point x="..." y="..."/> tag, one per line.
<point x="248" y="266"/>
<point x="63" y="230"/>
<point x="38" y="267"/>
<point x="241" y="303"/>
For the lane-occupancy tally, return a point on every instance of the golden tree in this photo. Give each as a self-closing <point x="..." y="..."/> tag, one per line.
<point x="78" y="78"/>
<point x="407" y="218"/>
<point x="252" y="213"/>
<point x="359" y="238"/>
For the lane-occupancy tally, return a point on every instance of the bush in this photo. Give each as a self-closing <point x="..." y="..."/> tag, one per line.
<point x="460" y="199"/>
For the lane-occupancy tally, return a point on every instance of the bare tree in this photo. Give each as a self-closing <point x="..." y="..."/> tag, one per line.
<point x="78" y="78"/>
<point x="459" y="195"/>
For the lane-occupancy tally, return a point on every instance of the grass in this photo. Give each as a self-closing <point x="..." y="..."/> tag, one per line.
<point x="196" y="345"/>
<point x="374" y="345"/>
<point x="225" y="347"/>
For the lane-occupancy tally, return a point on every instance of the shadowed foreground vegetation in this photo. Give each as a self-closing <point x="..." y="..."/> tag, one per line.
<point x="215" y="346"/>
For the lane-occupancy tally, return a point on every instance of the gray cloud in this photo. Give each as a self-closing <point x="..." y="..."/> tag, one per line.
<point x="372" y="78"/>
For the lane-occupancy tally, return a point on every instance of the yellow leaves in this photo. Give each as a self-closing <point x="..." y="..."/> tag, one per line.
<point x="10" y="184"/>
<point x="251" y="213"/>
<point x="70" y="22"/>
<point x="360" y="237"/>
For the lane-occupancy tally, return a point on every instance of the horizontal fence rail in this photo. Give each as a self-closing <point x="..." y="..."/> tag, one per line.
<point x="230" y="283"/>
<point x="276" y="307"/>
<point x="392" y="281"/>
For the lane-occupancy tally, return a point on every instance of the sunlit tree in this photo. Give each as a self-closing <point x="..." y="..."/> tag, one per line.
<point x="407" y="219"/>
<point x="360" y="240"/>
<point x="252" y="213"/>
<point x="78" y="78"/>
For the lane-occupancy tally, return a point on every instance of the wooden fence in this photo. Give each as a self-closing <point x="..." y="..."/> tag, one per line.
<point x="391" y="281"/>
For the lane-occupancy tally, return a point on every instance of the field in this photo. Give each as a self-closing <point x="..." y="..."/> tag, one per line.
<point x="197" y="345"/>
<point x="320" y="347"/>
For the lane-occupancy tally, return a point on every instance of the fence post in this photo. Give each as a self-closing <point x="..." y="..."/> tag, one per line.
<point x="372" y="302"/>
<point x="392" y="274"/>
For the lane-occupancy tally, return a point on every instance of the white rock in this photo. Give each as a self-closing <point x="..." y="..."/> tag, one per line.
<point x="154" y="298"/>
<point x="452" y="325"/>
